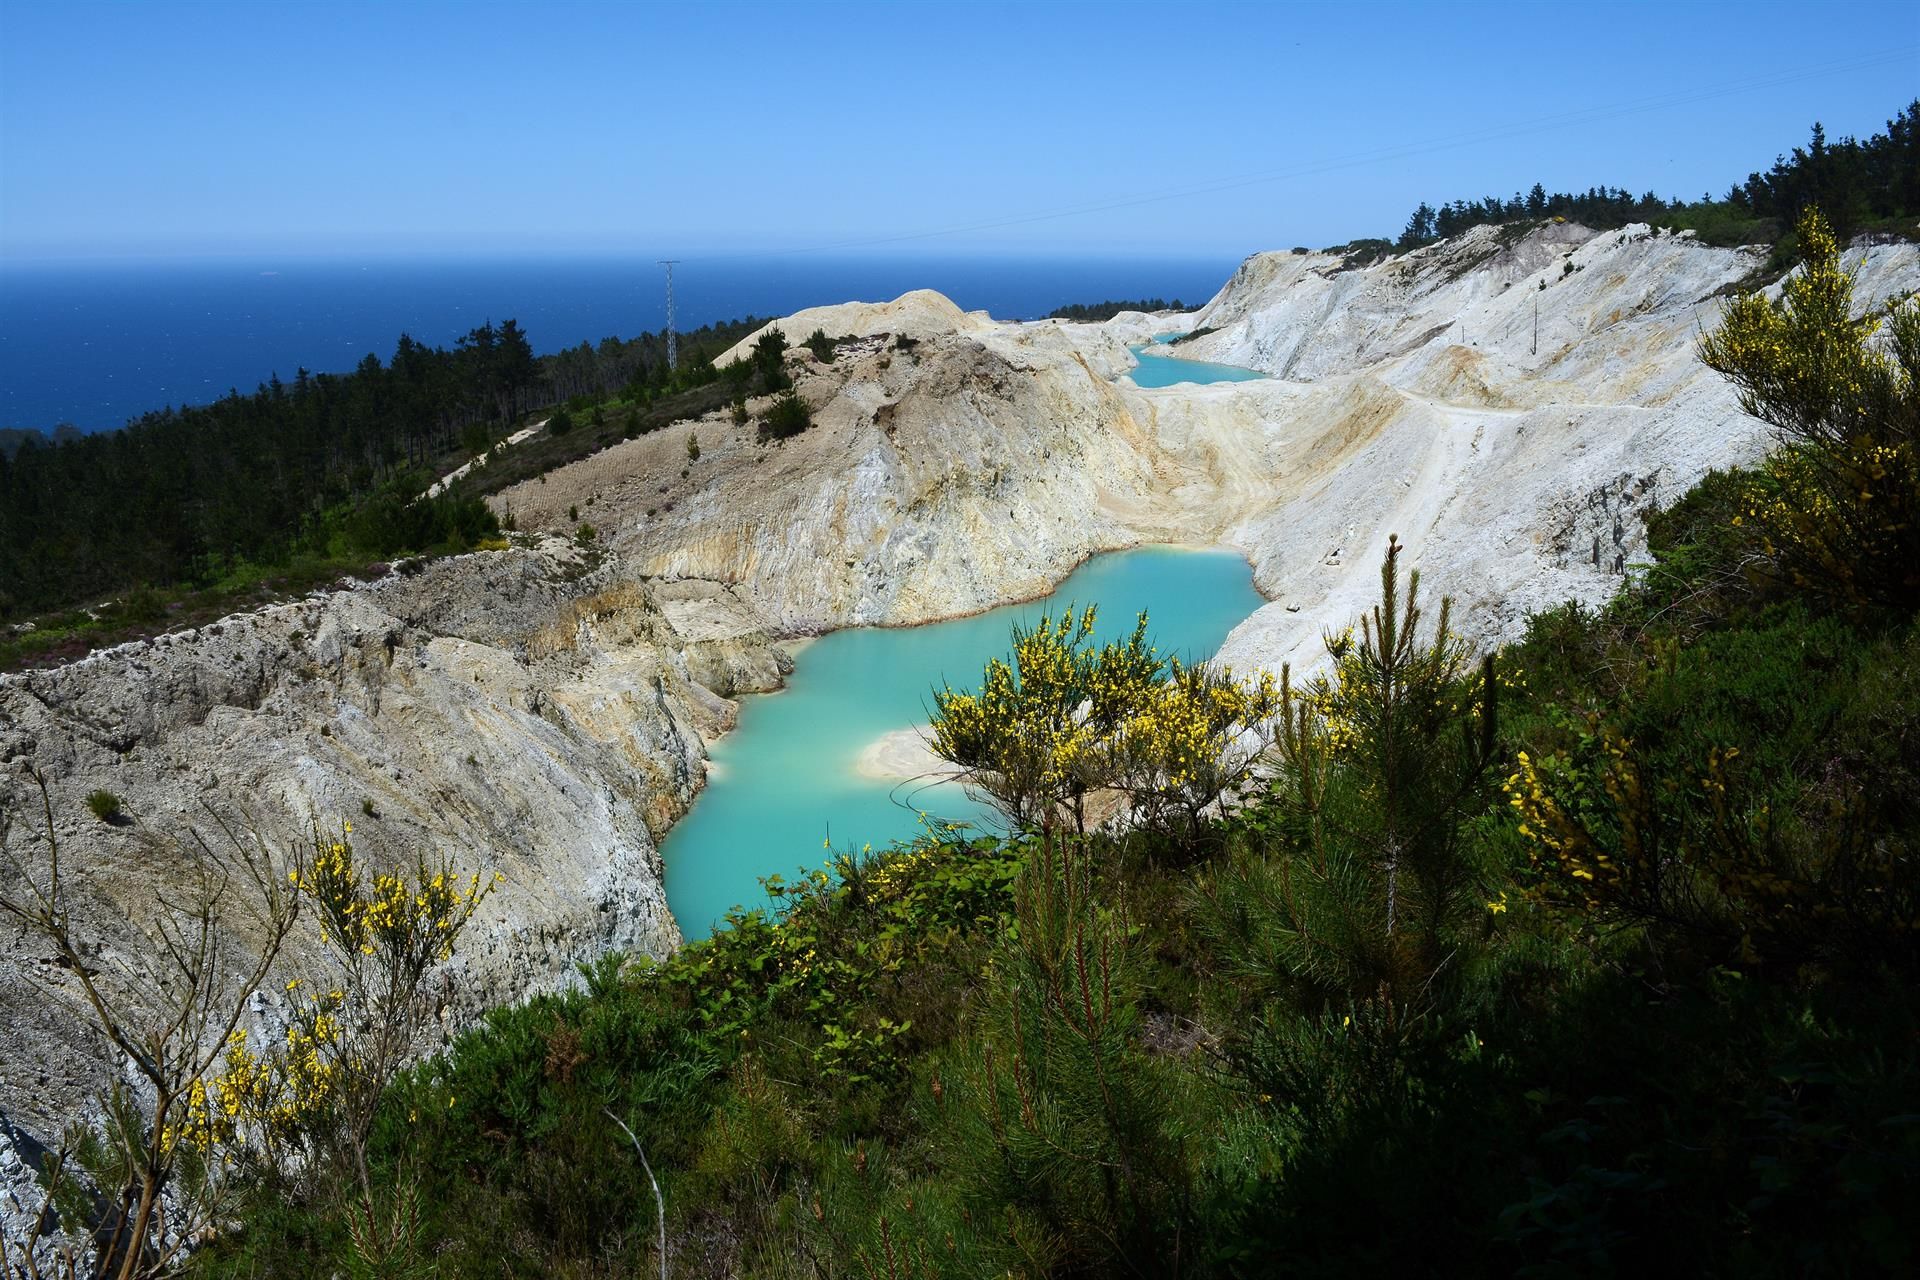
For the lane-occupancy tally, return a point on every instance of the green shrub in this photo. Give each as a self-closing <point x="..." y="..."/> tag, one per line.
<point x="560" y="423"/>
<point x="1385" y="764"/>
<point x="1357" y="254"/>
<point x="141" y="606"/>
<point x="786" y="416"/>
<point x="1056" y="1121"/>
<point x="1707" y="567"/>
<point x="769" y="361"/>
<point x="1837" y="510"/>
<point x="105" y="806"/>
<point x="1739" y="799"/>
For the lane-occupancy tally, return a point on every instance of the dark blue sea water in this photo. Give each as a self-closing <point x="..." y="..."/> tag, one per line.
<point x="96" y="344"/>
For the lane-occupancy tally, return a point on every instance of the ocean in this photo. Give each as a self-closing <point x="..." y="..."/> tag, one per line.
<point x="97" y="344"/>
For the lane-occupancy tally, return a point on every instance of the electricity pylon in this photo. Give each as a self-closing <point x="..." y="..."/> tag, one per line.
<point x="673" y="341"/>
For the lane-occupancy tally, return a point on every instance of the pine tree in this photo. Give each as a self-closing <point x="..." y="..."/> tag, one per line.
<point x="1375" y="887"/>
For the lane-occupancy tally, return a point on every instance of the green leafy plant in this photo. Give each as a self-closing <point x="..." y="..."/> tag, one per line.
<point x="105" y="806"/>
<point x="787" y="416"/>
<point x="1837" y="511"/>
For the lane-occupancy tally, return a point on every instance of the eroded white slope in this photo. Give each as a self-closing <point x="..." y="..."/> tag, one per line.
<point x="1410" y="396"/>
<point x="525" y="713"/>
<point x="1520" y="475"/>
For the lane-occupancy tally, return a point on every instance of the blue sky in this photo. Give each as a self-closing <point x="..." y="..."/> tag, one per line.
<point x="323" y="128"/>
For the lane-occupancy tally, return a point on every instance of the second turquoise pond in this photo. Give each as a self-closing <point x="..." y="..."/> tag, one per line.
<point x="1159" y="370"/>
<point x="788" y="779"/>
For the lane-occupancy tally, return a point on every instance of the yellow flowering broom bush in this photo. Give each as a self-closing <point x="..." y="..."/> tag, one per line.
<point x="1837" y="510"/>
<point x="1191" y="739"/>
<point x="1714" y="853"/>
<point x="1033" y="738"/>
<point x="305" y="1108"/>
<point x="268" y="1108"/>
<point x="389" y="931"/>
<point x="1065" y="719"/>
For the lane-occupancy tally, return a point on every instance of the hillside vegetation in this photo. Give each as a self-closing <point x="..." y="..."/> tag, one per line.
<point x="1594" y="957"/>
<point x="326" y="469"/>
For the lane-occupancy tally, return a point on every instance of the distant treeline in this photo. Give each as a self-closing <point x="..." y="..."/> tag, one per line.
<point x="1856" y="184"/>
<point x="637" y="367"/>
<point x="14" y="439"/>
<point x="1089" y="313"/>
<point x="328" y="464"/>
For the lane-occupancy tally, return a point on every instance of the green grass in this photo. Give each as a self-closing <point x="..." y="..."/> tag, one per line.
<point x="104" y="806"/>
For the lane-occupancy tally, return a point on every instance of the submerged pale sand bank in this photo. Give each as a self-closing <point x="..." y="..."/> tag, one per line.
<point x="901" y="755"/>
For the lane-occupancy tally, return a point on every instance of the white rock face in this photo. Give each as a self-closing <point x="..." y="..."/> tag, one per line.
<point x="1408" y="397"/>
<point x="1520" y="475"/>
<point x="528" y="713"/>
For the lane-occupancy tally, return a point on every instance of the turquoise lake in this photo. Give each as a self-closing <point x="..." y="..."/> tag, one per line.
<point x="786" y="779"/>
<point x="1169" y="371"/>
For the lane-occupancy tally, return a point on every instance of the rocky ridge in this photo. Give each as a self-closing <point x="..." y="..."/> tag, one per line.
<point x="535" y="713"/>
<point x="981" y="462"/>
